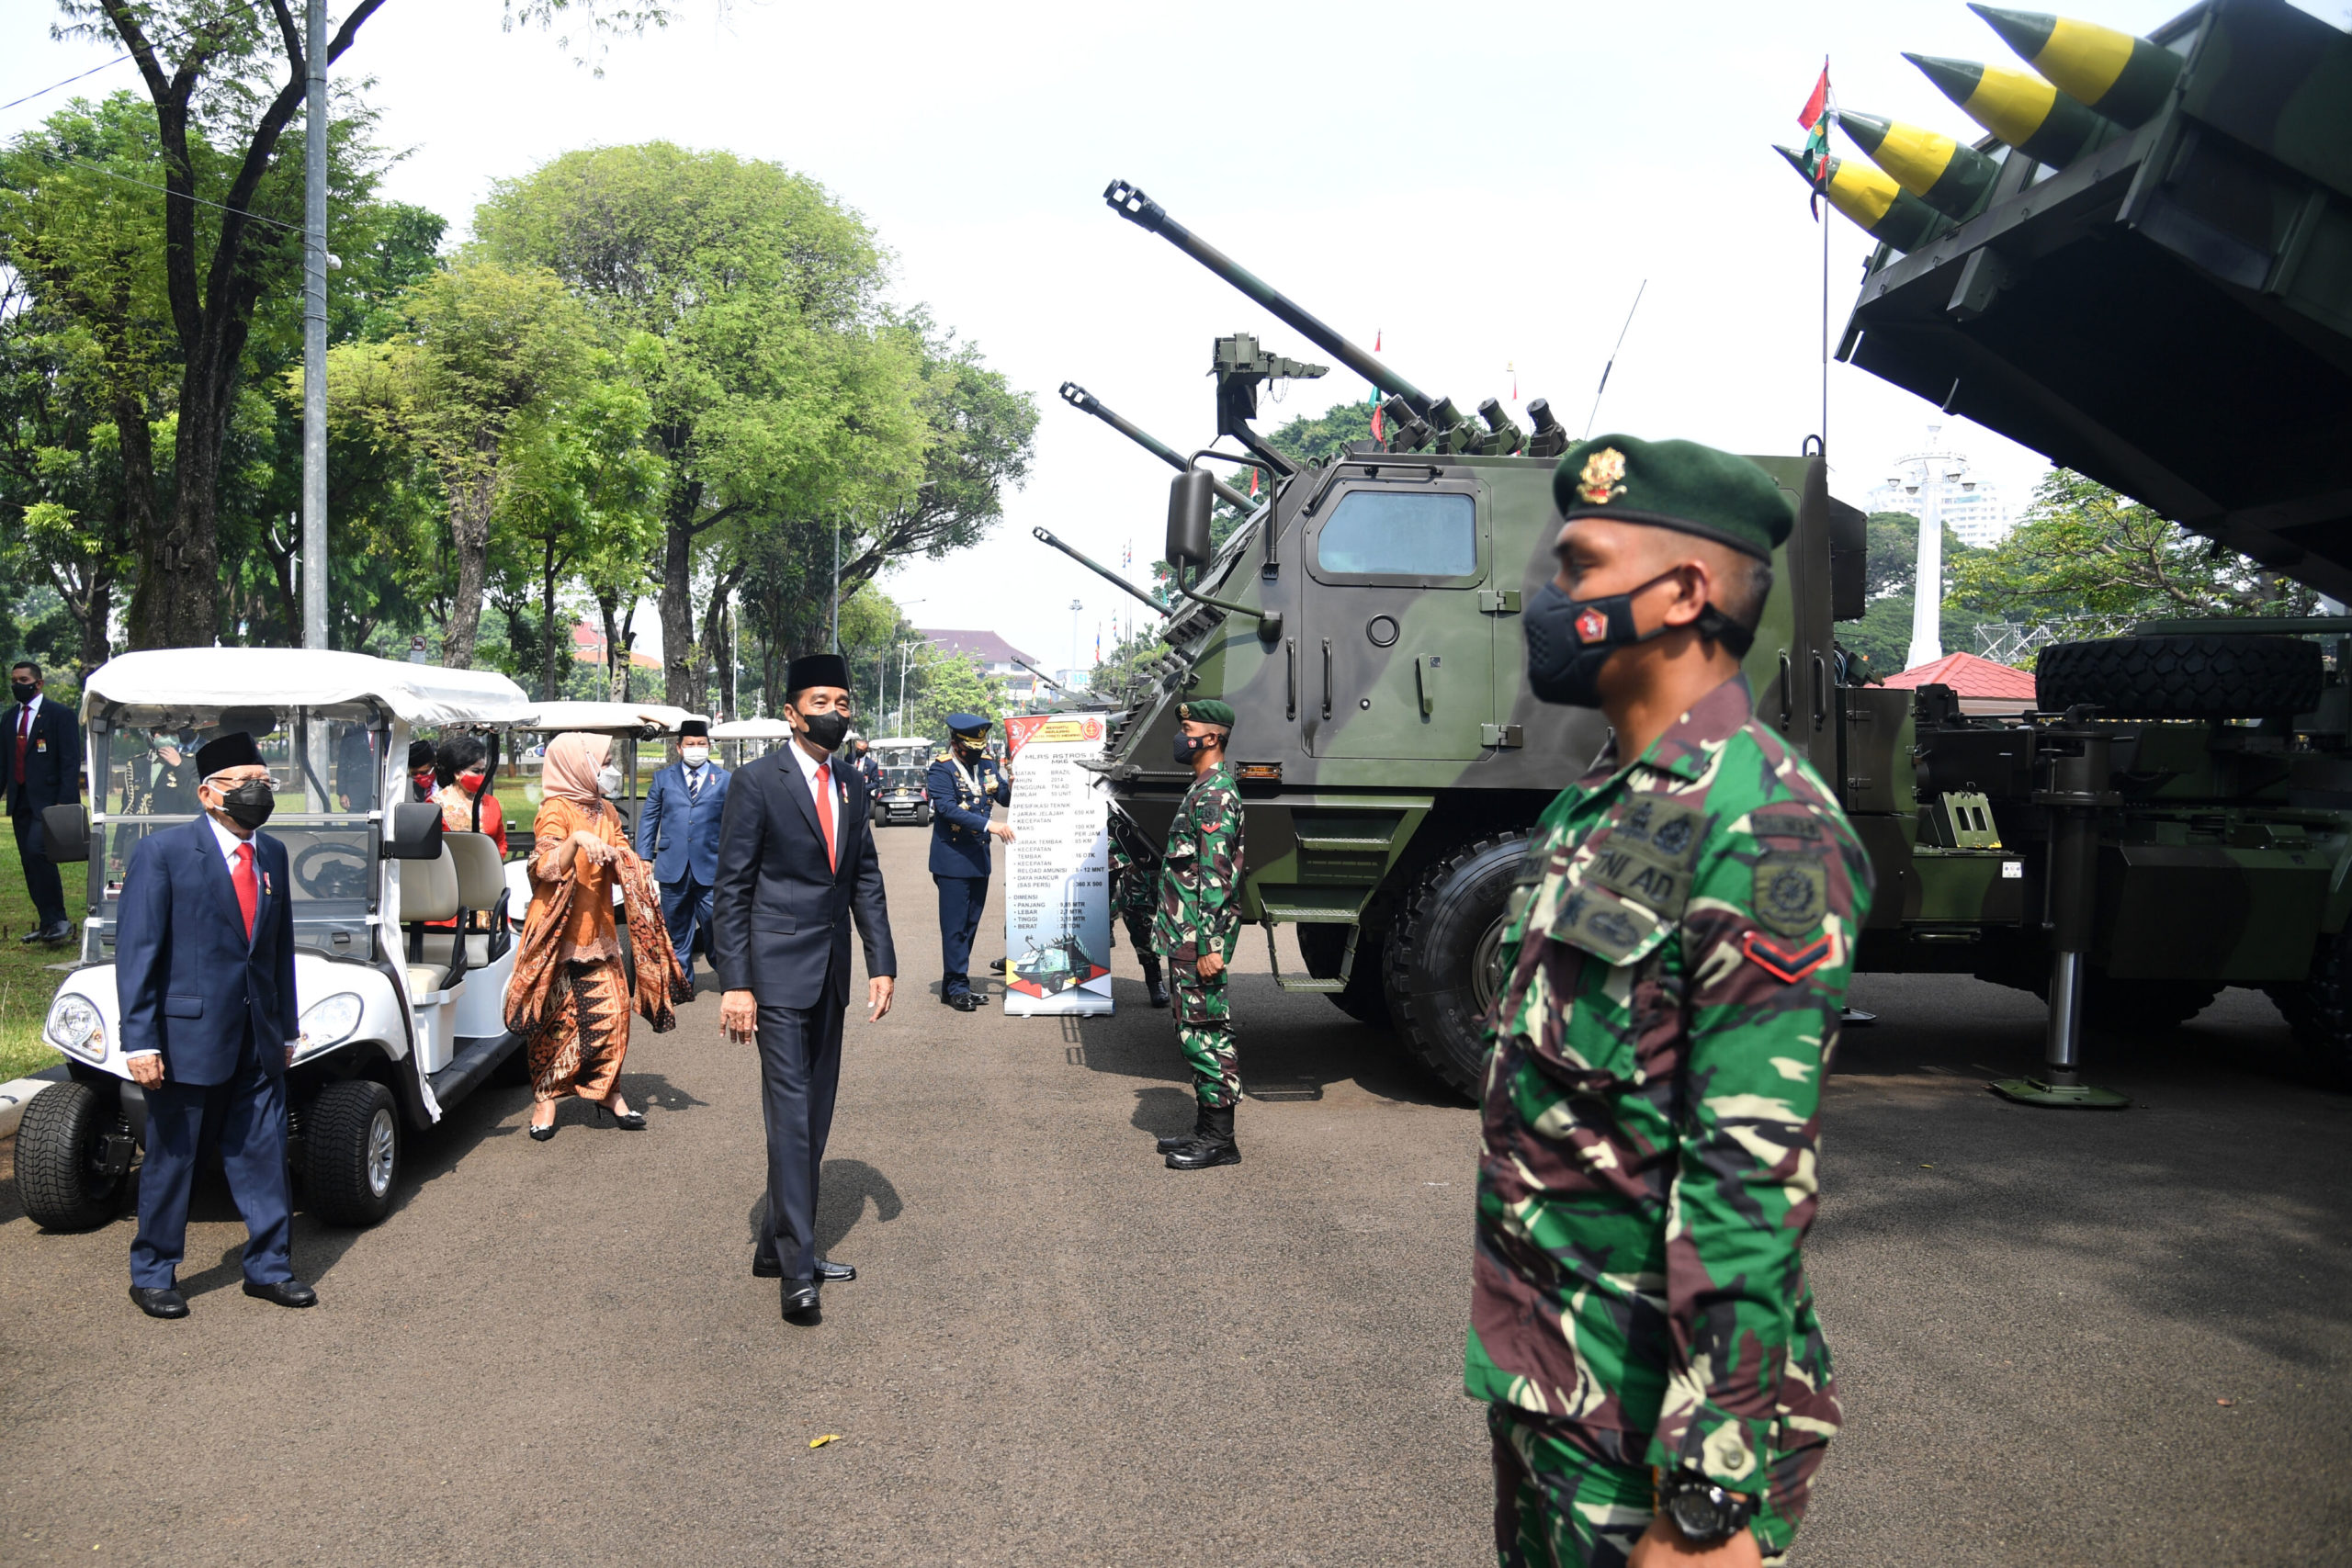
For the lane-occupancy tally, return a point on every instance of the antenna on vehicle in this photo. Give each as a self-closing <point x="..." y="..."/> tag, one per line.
<point x="1613" y="359"/>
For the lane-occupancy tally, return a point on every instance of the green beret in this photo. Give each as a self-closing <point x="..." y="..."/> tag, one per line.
<point x="1206" y="710"/>
<point x="1674" y="484"/>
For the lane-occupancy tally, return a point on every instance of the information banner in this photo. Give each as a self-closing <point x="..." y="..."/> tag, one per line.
<point x="1057" y="869"/>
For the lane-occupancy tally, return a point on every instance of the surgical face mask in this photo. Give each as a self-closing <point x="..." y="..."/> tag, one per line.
<point x="249" y="804"/>
<point x="694" y="756"/>
<point x="608" y="782"/>
<point x="1568" y="640"/>
<point x="25" y="690"/>
<point x="826" y="730"/>
<point x="471" y="782"/>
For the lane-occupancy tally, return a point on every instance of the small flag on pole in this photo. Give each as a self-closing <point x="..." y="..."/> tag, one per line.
<point x="1253" y="484"/>
<point x="1815" y="117"/>
<point x="1514" y="380"/>
<point x="1375" y="400"/>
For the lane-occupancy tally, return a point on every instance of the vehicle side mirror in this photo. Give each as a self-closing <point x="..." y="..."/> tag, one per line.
<point x="1188" y="498"/>
<point x="65" y="832"/>
<point x="414" y="831"/>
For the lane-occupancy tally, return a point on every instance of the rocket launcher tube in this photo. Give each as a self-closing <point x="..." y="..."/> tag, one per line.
<point x="1140" y="209"/>
<point x="1085" y="402"/>
<point x="2024" y="111"/>
<point x="1947" y="175"/>
<point x="2117" y="76"/>
<point x="1882" y="208"/>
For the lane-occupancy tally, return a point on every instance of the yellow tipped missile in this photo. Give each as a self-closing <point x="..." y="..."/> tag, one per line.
<point x="2024" y="111"/>
<point x="2115" y="76"/>
<point x="1882" y="208"/>
<point x="1948" y="177"/>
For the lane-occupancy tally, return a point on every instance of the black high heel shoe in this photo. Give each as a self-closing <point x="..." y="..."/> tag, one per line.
<point x="627" y="1121"/>
<point x="541" y="1134"/>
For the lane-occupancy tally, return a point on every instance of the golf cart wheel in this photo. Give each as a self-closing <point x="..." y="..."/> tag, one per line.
<point x="62" y="1173"/>
<point x="354" y="1153"/>
<point x="1442" y="962"/>
<point x="923" y="817"/>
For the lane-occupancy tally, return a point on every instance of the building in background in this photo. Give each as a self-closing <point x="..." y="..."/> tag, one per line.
<point x="996" y="658"/>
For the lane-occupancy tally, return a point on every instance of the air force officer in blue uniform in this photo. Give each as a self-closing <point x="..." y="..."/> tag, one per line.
<point x="204" y="972"/>
<point x="678" y="832"/>
<point x="961" y="785"/>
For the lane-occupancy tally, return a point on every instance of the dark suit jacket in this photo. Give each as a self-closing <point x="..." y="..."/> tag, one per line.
<point x="679" y="832"/>
<point x="52" y="759"/>
<point x="780" y="916"/>
<point x="189" y="982"/>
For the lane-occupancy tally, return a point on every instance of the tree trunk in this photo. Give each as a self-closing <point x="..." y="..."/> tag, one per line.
<point x="678" y="596"/>
<point x="713" y="649"/>
<point x="547" y="620"/>
<point x="469" y="507"/>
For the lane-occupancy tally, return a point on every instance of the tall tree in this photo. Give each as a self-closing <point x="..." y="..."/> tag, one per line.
<point x="781" y="394"/>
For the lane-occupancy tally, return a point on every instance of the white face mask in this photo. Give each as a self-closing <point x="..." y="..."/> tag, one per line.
<point x="694" y="756"/>
<point x="608" y="779"/>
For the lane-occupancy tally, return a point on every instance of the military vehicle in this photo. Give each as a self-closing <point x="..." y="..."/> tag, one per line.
<point x="2179" y="817"/>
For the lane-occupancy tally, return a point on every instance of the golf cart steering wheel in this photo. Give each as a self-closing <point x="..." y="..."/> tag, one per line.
<point x="341" y="881"/>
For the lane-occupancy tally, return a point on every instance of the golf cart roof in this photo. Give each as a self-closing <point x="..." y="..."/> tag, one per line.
<point x="609" y="718"/>
<point x="900" y="740"/>
<point x="296" y="677"/>
<point x="751" y="729"/>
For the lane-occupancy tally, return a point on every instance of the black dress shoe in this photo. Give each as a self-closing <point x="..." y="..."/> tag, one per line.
<point x="999" y="966"/>
<point x="799" y="1298"/>
<point x="159" y="1301"/>
<point x="831" y="1273"/>
<point x="765" y="1268"/>
<point x="965" y="1001"/>
<point x="283" y="1292"/>
<point x="31" y="936"/>
<point x="58" y="934"/>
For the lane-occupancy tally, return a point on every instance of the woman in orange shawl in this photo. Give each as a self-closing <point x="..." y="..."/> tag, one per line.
<point x="570" y="996"/>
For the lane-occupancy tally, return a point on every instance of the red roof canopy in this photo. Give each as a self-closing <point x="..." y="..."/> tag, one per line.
<point x="1969" y="676"/>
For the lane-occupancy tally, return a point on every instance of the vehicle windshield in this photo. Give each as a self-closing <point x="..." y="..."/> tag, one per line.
<point x="902" y="778"/>
<point x="325" y="764"/>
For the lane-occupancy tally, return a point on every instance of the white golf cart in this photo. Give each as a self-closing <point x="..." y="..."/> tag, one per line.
<point x="747" y="739"/>
<point x="901" y="798"/>
<point x="403" y="949"/>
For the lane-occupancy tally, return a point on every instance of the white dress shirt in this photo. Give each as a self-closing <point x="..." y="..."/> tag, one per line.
<point x="808" y="766"/>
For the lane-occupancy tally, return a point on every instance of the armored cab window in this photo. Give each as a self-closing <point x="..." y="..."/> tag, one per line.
<point x="1400" y="534"/>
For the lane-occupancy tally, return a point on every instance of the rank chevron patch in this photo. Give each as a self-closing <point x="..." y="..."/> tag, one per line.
<point x="1782" y="962"/>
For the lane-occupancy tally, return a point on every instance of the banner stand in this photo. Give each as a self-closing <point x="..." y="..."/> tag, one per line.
<point x="1058" y="869"/>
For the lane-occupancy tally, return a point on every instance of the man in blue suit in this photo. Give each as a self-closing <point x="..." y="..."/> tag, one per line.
<point x="961" y="785"/>
<point x="204" y="971"/>
<point x="40" y="766"/>
<point x="678" y="832"/>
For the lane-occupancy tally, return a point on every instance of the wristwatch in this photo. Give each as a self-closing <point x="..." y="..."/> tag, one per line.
<point x="1703" y="1511"/>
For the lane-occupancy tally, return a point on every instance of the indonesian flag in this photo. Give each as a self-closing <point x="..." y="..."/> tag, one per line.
<point x="1253" y="484"/>
<point x="1815" y="117"/>
<point x="1375" y="392"/>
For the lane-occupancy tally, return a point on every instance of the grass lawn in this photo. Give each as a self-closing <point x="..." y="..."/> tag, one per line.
<point x="25" y="981"/>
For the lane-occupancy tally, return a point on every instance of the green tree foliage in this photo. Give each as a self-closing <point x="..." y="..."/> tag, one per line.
<point x="950" y="682"/>
<point x="1879" y="643"/>
<point x="1308" y="440"/>
<point x="2083" y="549"/>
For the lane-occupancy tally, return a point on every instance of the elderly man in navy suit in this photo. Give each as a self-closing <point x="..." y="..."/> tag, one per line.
<point x="678" y="832"/>
<point x="204" y="970"/>
<point x="796" y="867"/>
<point x="40" y="766"/>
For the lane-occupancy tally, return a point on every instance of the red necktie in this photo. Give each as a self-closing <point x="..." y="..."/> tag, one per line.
<point x="825" y="814"/>
<point x="248" y="889"/>
<point x="24" y="730"/>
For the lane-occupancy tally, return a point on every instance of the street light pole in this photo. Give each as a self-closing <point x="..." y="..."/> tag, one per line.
<point x="314" y="331"/>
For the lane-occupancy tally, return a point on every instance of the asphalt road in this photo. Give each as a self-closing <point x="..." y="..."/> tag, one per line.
<point x="2063" y="1337"/>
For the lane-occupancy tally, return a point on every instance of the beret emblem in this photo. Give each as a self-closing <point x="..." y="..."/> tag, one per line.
<point x="1601" y="480"/>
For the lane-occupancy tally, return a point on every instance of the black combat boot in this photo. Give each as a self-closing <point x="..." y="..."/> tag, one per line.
<point x="1154" y="986"/>
<point x="1200" y="1129"/>
<point x="1214" y="1146"/>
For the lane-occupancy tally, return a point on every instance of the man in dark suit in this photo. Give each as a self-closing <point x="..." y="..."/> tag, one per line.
<point x="678" y="832"/>
<point x="40" y="761"/>
<point x="796" y="866"/>
<point x="204" y="970"/>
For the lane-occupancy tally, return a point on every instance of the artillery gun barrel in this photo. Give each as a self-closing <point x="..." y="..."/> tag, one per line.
<point x="1041" y="675"/>
<point x="1099" y="569"/>
<point x="1085" y="402"/>
<point x="1138" y="208"/>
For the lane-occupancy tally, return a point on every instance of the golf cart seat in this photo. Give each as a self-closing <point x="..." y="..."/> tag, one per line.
<point x="429" y="893"/>
<point x="481" y="897"/>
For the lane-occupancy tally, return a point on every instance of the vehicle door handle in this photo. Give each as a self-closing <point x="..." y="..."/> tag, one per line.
<point x="1820" y="692"/>
<point x="1326" y="677"/>
<point x="1290" y="677"/>
<point x="1424" y="681"/>
<point x="1788" y="693"/>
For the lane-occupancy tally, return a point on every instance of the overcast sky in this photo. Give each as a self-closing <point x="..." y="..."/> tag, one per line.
<point x="1484" y="187"/>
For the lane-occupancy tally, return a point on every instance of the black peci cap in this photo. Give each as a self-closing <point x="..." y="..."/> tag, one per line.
<point x="234" y="750"/>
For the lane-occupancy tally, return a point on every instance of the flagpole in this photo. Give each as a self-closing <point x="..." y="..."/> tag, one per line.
<point x="1825" y="304"/>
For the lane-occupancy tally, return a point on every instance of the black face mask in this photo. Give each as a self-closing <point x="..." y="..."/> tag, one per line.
<point x="1569" y="639"/>
<point x="1190" y="746"/>
<point x="826" y="731"/>
<point x="25" y="690"/>
<point x="248" y="804"/>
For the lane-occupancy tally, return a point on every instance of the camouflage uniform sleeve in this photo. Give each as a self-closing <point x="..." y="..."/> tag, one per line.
<point x="1216" y="912"/>
<point x="1767" y="949"/>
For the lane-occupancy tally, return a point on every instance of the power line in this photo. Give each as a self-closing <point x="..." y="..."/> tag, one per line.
<point x="93" y="70"/>
<point x="144" y="185"/>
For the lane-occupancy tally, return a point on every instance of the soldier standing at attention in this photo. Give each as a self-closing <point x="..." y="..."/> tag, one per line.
<point x="961" y="784"/>
<point x="1135" y="872"/>
<point x="1198" y="917"/>
<point x="1677" y="953"/>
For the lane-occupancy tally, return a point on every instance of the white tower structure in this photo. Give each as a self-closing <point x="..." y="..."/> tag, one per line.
<point x="1931" y="475"/>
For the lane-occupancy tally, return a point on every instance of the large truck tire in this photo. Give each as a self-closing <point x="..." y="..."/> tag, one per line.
<point x="2180" y="677"/>
<point x="2318" y="1010"/>
<point x="1440" y="964"/>
<point x="2137" y="1007"/>
<point x="1325" y="948"/>
<point x="61" y="1158"/>
<point x="353" y="1145"/>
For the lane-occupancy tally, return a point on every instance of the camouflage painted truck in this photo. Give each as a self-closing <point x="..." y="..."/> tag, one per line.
<point x="2174" y="821"/>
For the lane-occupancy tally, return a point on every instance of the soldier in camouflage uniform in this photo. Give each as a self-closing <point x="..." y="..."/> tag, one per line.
<point x="1135" y="891"/>
<point x="1198" y="921"/>
<point x="1678" y="954"/>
